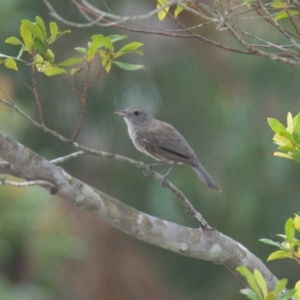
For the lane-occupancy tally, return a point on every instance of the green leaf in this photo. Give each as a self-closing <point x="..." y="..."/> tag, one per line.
<point x="250" y="294"/>
<point x="40" y="63"/>
<point x="115" y="38"/>
<point x="53" y="31"/>
<point x="271" y="296"/>
<point x="75" y="71"/>
<point x="280" y="286"/>
<point x="82" y="50"/>
<point x="50" y="55"/>
<point x="284" y="14"/>
<point x="70" y="62"/>
<point x="106" y="60"/>
<point x="14" y="41"/>
<point x="287" y="135"/>
<point x="128" y="67"/>
<point x="289" y="229"/>
<point x="39" y="21"/>
<point x="39" y="45"/>
<point x="275" y="125"/>
<point x="162" y="13"/>
<point x="295" y="157"/>
<point x="296" y="221"/>
<point x="10" y="63"/>
<point x="250" y="279"/>
<point x="131" y="47"/>
<point x="51" y="71"/>
<point x="270" y="242"/>
<point x="178" y="10"/>
<point x="103" y="41"/>
<point x="34" y="29"/>
<point x="279" y="4"/>
<point x="288" y="295"/>
<point x="296" y="137"/>
<point x="261" y="282"/>
<point x="288" y="148"/>
<point x="278" y="255"/>
<point x="296" y="124"/>
<point x="27" y="37"/>
<point x="98" y="41"/>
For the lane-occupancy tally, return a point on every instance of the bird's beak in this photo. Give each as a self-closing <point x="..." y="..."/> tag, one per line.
<point x="121" y="113"/>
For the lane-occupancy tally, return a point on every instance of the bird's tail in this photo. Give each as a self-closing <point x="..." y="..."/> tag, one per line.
<point x="201" y="172"/>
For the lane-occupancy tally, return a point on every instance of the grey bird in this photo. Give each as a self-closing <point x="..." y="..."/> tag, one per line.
<point x="163" y="142"/>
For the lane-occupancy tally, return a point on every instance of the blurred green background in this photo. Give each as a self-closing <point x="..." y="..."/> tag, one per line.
<point x="218" y="100"/>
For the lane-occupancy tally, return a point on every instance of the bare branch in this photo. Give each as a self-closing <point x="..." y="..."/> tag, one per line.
<point x="196" y="243"/>
<point x="226" y="16"/>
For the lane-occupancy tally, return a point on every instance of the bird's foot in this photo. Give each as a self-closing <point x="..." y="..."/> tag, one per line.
<point x="164" y="182"/>
<point x="148" y="170"/>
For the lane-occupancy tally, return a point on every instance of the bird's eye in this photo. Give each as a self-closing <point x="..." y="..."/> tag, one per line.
<point x="136" y="112"/>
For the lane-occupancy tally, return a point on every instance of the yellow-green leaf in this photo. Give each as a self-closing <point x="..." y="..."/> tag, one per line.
<point x="51" y="71"/>
<point x="70" y="62"/>
<point x="75" y="71"/>
<point x="10" y="63"/>
<point x="279" y="4"/>
<point x="280" y="154"/>
<point x="289" y="123"/>
<point x="275" y="125"/>
<point x="282" y="140"/>
<point x="250" y="279"/>
<point x="27" y="37"/>
<point x="50" y="55"/>
<point x="178" y="10"/>
<point x="297" y="287"/>
<point x="271" y="296"/>
<point x="261" y="282"/>
<point x="296" y="221"/>
<point x="289" y="231"/>
<point x="131" y="47"/>
<point x="278" y="255"/>
<point x="53" y="31"/>
<point x="14" y="41"/>
<point x="34" y="29"/>
<point x="280" y="286"/>
<point x="39" y="21"/>
<point x="128" y="67"/>
<point x="163" y="12"/>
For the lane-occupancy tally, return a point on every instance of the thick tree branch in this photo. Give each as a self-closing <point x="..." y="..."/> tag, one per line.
<point x="196" y="243"/>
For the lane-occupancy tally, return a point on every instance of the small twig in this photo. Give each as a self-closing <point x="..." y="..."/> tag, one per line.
<point x="82" y="98"/>
<point x="36" y="95"/>
<point x="60" y="160"/>
<point x="42" y="183"/>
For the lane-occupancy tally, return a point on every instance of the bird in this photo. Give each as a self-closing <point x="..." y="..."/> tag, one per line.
<point x="162" y="142"/>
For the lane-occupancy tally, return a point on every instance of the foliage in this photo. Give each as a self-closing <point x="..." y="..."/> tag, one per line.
<point x="258" y="287"/>
<point x="290" y="247"/>
<point x="36" y="40"/>
<point x="288" y="138"/>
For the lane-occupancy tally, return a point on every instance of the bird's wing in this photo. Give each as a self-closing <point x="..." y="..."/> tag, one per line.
<point x="170" y="144"/>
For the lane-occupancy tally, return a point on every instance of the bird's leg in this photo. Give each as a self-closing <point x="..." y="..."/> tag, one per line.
<point x="146" y="173"/>
<point x="167" y="174"/>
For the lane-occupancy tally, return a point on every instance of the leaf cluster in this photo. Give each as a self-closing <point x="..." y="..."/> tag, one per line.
<point x="290" y="247"/>
<point x="36" y="40"/>
<point x="258" y="288"/>
<point x="288" y="138"/>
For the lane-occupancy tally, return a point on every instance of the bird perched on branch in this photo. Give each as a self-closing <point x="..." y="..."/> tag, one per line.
<point x="163" y="142"/>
